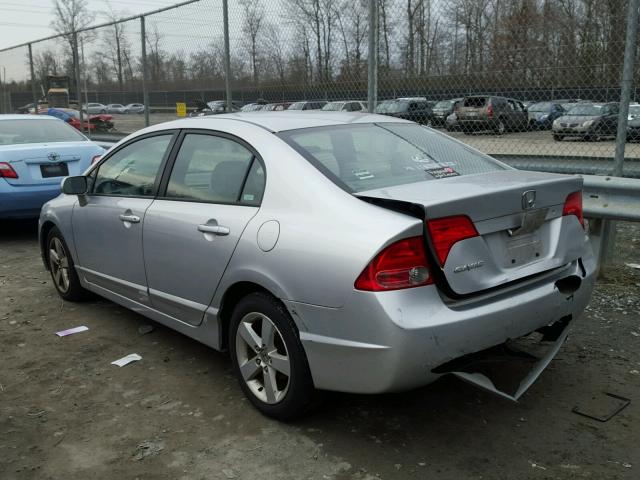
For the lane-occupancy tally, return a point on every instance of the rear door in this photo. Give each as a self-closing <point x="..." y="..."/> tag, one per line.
<point x="107" y="223"/>
<point x="214" y="188"/>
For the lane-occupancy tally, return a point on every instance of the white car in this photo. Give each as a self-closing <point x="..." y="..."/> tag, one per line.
<point x="115" y="108"/>
<point x="94" y="108"/>
<point x="134" y="108"/>
<point x="346" y="106"/>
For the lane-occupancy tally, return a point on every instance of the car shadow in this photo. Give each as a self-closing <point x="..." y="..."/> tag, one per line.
<point x="18" y="230"/>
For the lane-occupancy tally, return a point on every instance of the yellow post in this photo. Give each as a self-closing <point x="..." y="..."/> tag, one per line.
<point x="181" y="109"/>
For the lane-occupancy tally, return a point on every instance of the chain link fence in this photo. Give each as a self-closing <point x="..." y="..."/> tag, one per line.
<point x="535" y="80"/>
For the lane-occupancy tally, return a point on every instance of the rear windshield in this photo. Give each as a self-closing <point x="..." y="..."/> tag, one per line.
<point x="444" y="104"/>
<point x="333" y="106"/>
<point x="540" y="107"/>
<point x="368" y="156"/>
<point x="296" y="106"/>
<point x="392" y="106"/>
<point x="476" y="102"/>
<point x="14" y="132"/>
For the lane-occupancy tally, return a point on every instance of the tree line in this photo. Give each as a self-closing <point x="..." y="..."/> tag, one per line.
<point x="312" y="43"/>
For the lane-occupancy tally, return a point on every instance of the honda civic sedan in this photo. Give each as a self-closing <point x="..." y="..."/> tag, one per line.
<point x="322" y="250"/>
<point x="36" y="153"/>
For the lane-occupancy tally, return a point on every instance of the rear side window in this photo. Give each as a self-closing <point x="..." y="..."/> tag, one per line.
<point x="210" y="169"/>
<point x="475" y="102"/>
<point x="132" y="171"/>
<point x="369" y="156"/>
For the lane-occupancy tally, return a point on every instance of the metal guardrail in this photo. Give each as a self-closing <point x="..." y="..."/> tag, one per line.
<point x="570" y="165"/>
<point x="611" y="198"/>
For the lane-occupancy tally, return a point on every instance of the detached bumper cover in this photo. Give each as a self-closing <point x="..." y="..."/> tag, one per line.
<point x="393" y="341"/>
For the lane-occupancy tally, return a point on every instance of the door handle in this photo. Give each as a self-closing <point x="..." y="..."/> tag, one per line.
<point x="130" y="218"/>
<point x="215" y="229"/>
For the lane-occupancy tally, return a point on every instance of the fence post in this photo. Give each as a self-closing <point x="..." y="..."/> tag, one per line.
<point x="372" y="74"/>
<point x="3" y="107"/>
<point x="227" y="60"/>
<point x="76" y="63"/>
<point x="608" y="229"/>
<point x="34" y="90"/>
<point x="145" y="73"/>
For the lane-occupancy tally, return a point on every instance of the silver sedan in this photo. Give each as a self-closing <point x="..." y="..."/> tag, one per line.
<point x="324" y="250"/>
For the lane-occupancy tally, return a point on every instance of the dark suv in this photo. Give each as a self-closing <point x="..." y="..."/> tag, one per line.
<point x="416" y="110"/>
<point x="482" y="112"/>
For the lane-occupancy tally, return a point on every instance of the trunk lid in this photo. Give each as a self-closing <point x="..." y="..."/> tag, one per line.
<point x="473" y="108"/>
<point x="519" y="234"/>
<point x="47" y="164"/>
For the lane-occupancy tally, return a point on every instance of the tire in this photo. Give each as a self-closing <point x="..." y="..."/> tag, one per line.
<point x="500" y="128"/>
<point x="558" y="138"/>
<point x="59" y="259"/>
<point x="292" y="396"/>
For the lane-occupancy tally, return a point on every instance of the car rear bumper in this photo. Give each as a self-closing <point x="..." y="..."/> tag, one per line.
<point x="25" y="201"/>
<point x="476" y="124"/>
<point x="391" y="341"/>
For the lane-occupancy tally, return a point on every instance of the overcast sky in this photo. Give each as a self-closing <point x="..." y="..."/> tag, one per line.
<point x="25" y="20"/>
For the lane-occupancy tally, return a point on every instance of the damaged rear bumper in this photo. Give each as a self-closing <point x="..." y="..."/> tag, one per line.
<point x="393" y="341"/>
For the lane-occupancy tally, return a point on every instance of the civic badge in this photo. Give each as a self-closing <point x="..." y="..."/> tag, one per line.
<point x="528" y="199"/>
<point x="53" y="157"/>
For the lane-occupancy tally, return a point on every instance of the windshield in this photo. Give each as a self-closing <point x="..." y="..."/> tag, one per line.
<point x="585" y="110"/>
<point x="391" y="106"/>
<point x="15" y="132"/>
<point x="443" y="104"/>
<point x="540" y="107"/>
<point x="333" y="106"/>
<point x="296" y="106"/>
<point x="368" y="156"/>
<point x="252" y="107"/>
<point x="634" y="110"/>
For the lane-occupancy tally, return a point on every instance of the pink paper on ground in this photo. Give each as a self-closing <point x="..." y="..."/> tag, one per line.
<point x="71" y="331"/>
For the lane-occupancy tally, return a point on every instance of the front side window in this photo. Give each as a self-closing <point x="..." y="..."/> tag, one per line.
<point x="369" y="156"/>
<point x="210" y="169"/>
<point x="132" y="171"/>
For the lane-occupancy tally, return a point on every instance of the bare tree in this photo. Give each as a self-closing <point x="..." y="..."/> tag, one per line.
<point x="251" y="28"/>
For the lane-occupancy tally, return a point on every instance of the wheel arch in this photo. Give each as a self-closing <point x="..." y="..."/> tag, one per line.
<point x="46" y="227"/>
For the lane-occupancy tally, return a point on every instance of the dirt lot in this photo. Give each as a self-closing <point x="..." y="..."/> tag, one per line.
<point x="66" y="413"/>
<point x="520" y="143"/>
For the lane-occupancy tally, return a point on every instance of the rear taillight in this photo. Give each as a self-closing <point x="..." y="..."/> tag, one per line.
<point x="573" y="206"/>
<point x="447" y="231"/>
<point x="490" y="111"/>
<point x="95" y="159"/>
<point x="402" y="264"/>
<point x="7" y="171"/>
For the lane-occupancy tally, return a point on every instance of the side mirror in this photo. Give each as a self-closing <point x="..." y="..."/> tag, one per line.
<point x="74" y="185"/>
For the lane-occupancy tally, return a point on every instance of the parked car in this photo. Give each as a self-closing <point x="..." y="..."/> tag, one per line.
<point x="542" y="115"/>
<point x="634" y="111"/>
<point x="214" y="107"/>
<point x="307" y="105"/>
<point x="377" y="253"/>
<point x="633" y="130"/>
<point x="92" y="123"/>
<point x="345" y="106"/>
<point x="588" y="121"/>
<point x="134" y="108"/>
<point x="252" y="107"/>
<point x="485" y="112"/>
<point x="116" y="108"/>
<point x="276" y="107"/>
<point x="407" y="109"/>
<point x="94" y="108"/>
<point x="35" y="153"/>
<point x="443" y="109"/>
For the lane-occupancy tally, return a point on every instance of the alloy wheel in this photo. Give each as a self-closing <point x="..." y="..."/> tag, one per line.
<point x="59" y="264"/>
<point x="263" y="358"/>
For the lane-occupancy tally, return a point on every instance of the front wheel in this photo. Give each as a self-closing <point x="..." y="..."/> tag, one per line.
<point x="268" y="358"/>
<point x="62" y="268"/>
<point x="558" y="138"/>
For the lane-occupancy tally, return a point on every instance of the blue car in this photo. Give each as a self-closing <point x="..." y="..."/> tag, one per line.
<point x="542" y="115"/>
<point x="36" y="152"/>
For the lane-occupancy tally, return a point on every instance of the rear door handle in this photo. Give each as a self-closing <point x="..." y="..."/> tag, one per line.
<point x="130" y="218"/>
<point x="215" y="229"/>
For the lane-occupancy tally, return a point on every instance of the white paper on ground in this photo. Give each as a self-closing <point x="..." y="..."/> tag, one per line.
<point x="132" y="357"/>
<point x="71" y="331"/>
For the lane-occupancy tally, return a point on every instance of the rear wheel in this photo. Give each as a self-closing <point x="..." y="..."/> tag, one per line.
<point x="62" y="268"/>
<point x="558" y="138"/>
<point x="268" y="358"/>
<point x="500" y="128"/>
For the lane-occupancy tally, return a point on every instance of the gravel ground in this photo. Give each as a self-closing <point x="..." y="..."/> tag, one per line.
<point x="521" y="143"/>
<point x="66" y="413"/>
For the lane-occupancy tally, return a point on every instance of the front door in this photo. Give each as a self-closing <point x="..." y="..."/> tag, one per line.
<point x="107" y="222"/>
<point x="191" y="230"/>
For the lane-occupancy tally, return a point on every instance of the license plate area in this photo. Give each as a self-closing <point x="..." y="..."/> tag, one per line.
<point x="54" y="170"/>
<point x="523" y="249"/>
